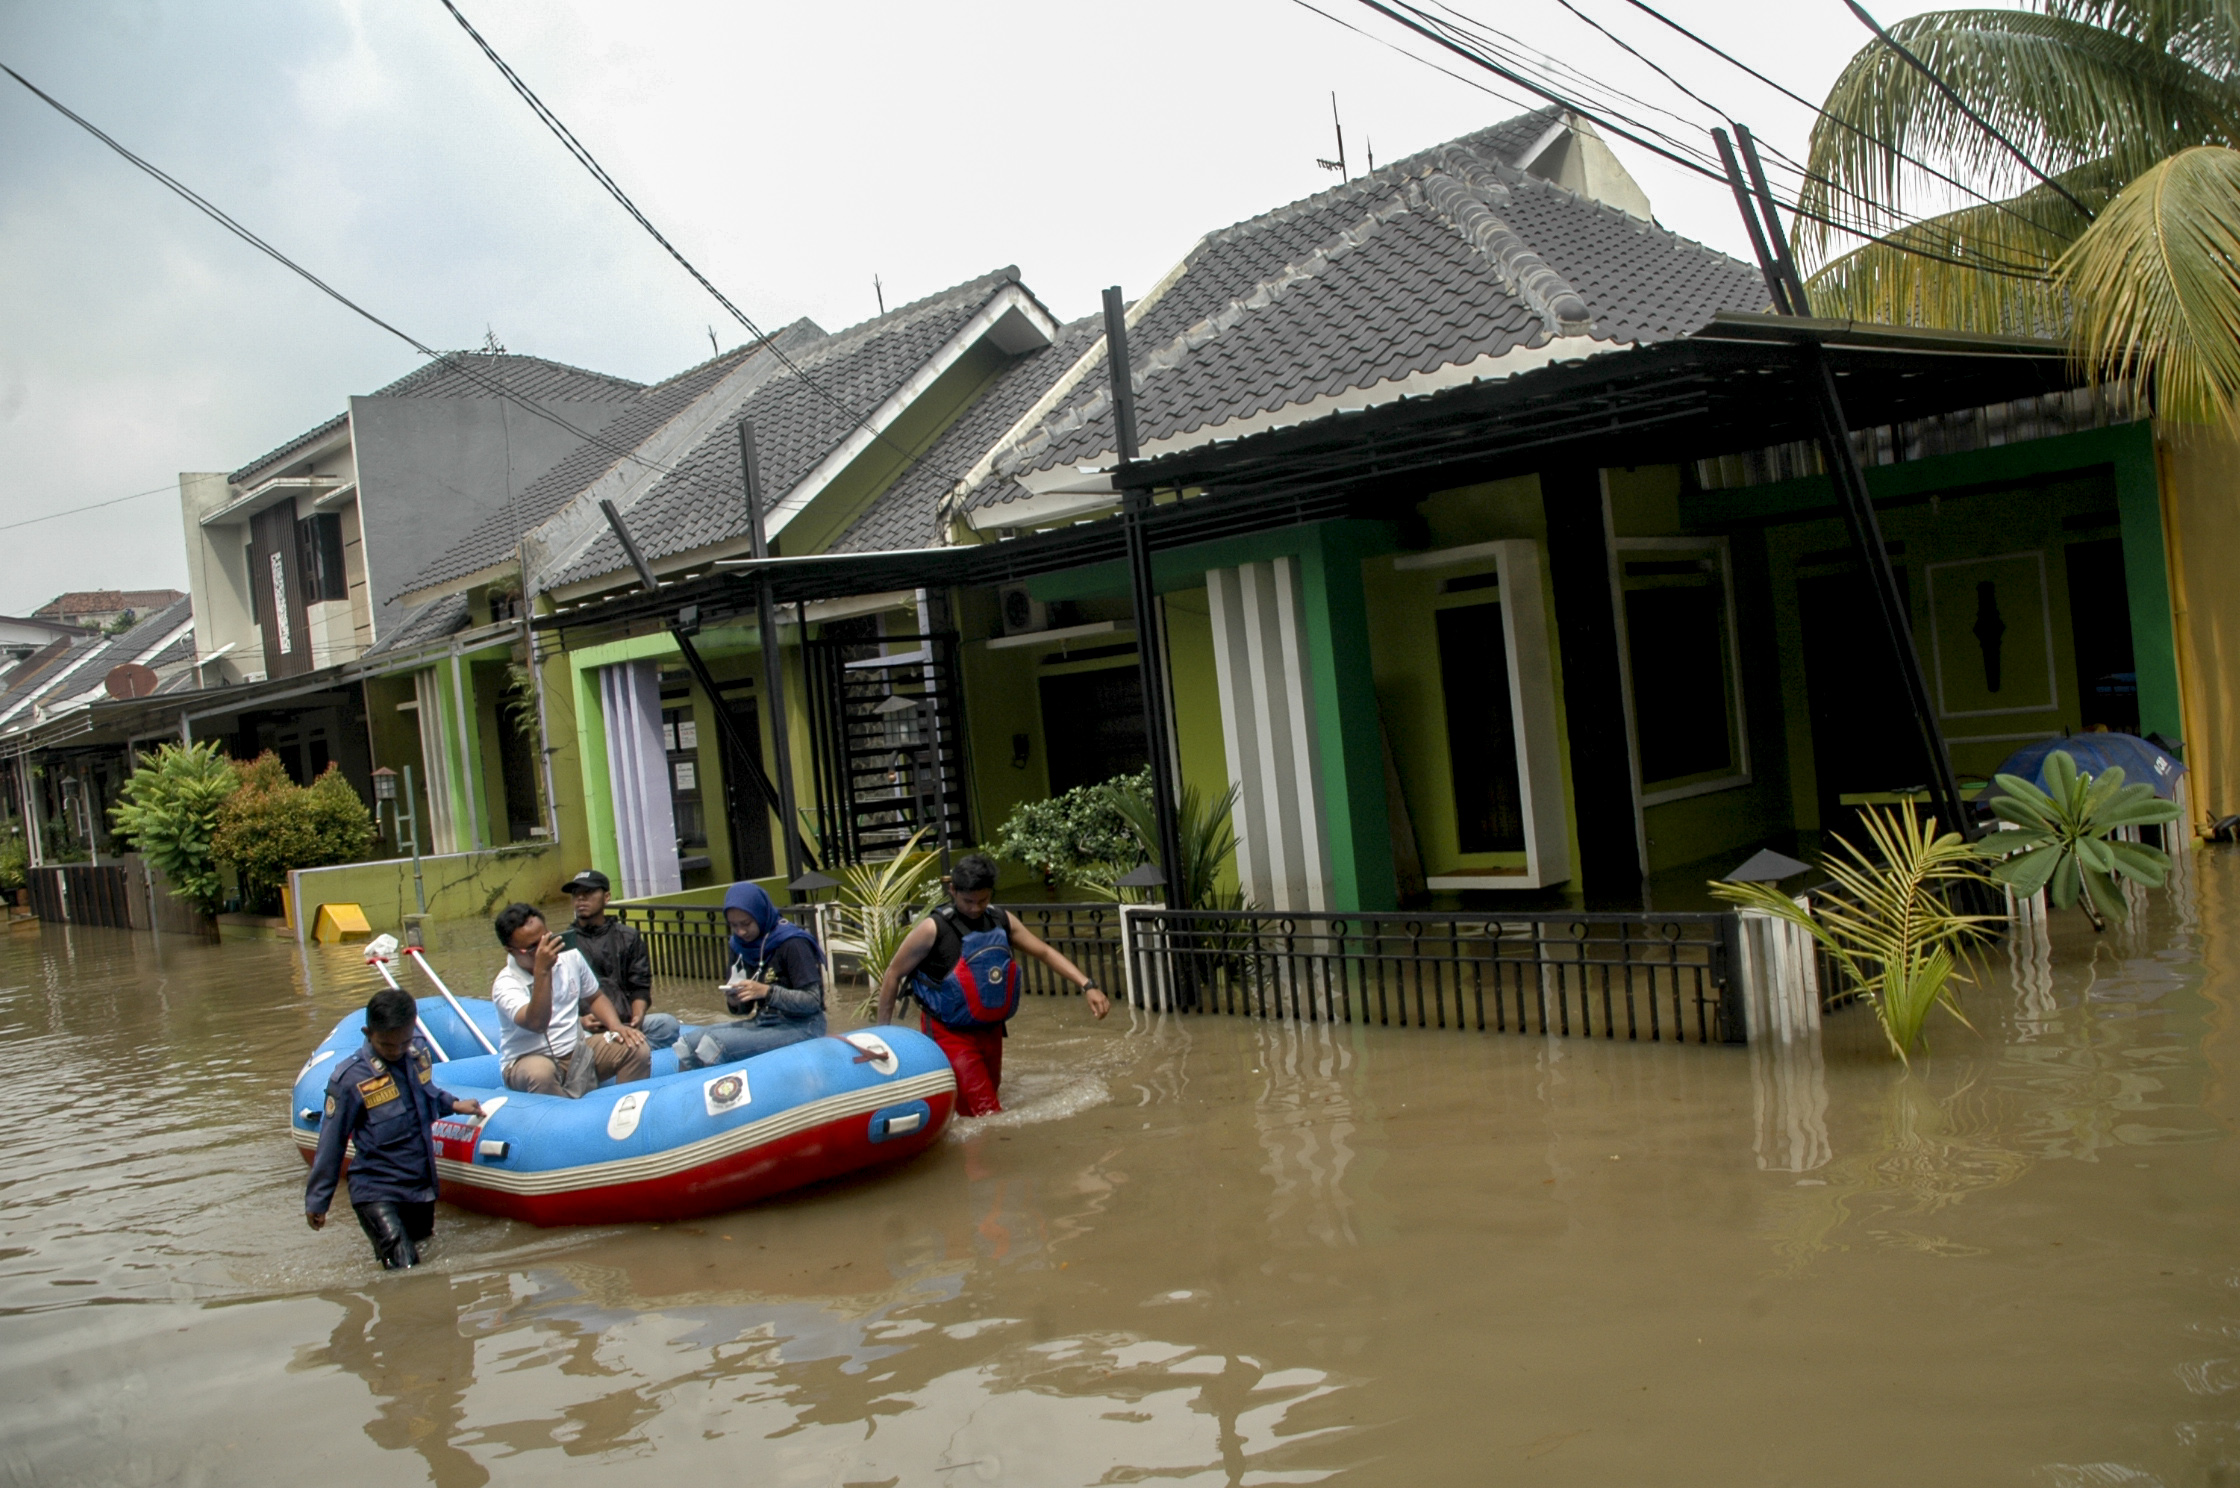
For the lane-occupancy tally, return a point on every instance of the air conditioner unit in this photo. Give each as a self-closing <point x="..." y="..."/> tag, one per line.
<point x="1022" y="613"/>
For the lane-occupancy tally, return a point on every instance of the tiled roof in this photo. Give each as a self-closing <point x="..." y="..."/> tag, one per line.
<point x="535" y="378"/>
<point x="105" y="601"/>
<point x="908" y="514"/>
<point x="77" y="677"/>
<point x="500" y="533"/>
<point x="1440" y="260"/>
<point x="431" y="622"/>
<point x="700" y="503"/>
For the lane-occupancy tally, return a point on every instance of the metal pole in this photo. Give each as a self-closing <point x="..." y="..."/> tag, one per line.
<point x="412" y="818"/>
<point x="1783" y="260"/>
<point x="680" y="630"/>
<point x="1848" y="477"/>
<point x="773" y="662"/>
<point x="1850" y="481"/>
<point x="1775" y="288"/>
<point x="1150" y="653"/>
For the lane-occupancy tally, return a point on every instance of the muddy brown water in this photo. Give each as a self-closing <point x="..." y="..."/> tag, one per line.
<point x="1202" y="1250"/>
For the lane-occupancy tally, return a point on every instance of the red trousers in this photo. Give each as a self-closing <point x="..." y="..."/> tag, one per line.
<point x="977" y="1057"/>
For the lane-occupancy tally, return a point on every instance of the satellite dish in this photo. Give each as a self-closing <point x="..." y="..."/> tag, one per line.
<point x="129" y="680"/>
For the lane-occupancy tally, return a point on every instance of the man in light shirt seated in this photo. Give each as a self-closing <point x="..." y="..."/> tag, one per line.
<point x="546" y="995"/>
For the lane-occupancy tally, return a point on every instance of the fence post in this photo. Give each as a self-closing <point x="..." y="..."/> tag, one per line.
<point x="1729" y="969"/>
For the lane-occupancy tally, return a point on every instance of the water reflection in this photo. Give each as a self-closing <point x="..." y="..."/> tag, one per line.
<point x="1198" y="1248"/>
<point x="409" y="1341"/>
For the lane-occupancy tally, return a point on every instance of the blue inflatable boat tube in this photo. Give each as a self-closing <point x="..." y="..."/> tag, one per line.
<point x="680" y="1144"/>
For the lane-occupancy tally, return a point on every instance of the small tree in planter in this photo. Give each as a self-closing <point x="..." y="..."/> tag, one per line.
<point x="1888" y="922"/>
<point x="270" y="826"/>
<point x="170" y="810"/>
<point x="2065" y="840"/>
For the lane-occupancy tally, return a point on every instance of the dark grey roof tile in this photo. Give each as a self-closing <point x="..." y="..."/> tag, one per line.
<point x="798" y="420"/>
<point x="470" y="374"/>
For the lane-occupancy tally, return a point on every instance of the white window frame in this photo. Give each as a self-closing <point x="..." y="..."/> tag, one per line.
<point x="1724" y="556"/>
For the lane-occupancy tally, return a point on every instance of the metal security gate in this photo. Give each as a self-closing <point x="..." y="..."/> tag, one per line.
<point x="886" y="726"/>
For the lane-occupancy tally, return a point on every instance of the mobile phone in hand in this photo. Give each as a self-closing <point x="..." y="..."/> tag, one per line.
<point x="569" y="938"/>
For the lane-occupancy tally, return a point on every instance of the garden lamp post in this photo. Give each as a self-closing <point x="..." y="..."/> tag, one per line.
<point x="385" y="794"/>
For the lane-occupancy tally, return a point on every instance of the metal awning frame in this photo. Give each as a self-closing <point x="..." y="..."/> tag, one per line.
<point x="1738" y="384"/>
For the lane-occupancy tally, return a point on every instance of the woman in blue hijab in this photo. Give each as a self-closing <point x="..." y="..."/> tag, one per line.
<point x="777" y="979"/>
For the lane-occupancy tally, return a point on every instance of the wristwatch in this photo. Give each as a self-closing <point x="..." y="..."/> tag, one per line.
<point x="1091" y="985"/>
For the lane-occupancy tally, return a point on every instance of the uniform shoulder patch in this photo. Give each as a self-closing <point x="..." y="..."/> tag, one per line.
<point x="331" y="1104"/>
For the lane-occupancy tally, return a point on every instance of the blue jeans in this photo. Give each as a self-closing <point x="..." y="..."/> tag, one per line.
<point x="724" y="1042"/>
<point x="660" y="1030"/>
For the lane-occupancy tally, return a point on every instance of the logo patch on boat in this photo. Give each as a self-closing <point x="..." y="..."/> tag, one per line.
<point x="455" y="1139"/>
<point x="876" y="1053"/>
<point x="623" y="1119"/>
<point x="725" y="1093"/>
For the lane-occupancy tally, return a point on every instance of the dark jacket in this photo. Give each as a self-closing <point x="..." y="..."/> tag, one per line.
<point x="385" y="1109"/>
<point x="618" y="954"/>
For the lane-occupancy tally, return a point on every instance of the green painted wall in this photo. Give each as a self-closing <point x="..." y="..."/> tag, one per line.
<point x="2125" y="452"/>
<point x="460" y="886"/>
<point x="2033" y="498"/>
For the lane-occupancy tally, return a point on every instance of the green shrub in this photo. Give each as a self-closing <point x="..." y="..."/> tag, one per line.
<point x="15" y="863"/>
<point x="1079" y="837"/>
<point x="170" y="810"/>
<point x="270" y="826"/>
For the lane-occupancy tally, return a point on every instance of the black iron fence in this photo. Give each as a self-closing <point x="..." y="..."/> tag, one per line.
<point x="1655" y="977"/>
<point x="1667" y="978"/>
<point x="692" y="940"/>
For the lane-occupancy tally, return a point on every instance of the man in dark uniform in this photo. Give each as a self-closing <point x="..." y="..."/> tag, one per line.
<point x="617" y="954"/>
<point x="383" y="1098"/>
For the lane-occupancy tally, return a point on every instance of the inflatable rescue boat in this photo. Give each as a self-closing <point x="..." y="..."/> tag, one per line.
<point x="680" y="1144"/>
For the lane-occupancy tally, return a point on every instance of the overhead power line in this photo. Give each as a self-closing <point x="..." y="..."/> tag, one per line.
<point x="584" y="157"/>
<point x="1795" y="97"/>
<point x="1682" y="154"/>
<point x="218" y="215"/>
<point x="1952" y="97"/>
<point x="71" y="511"/>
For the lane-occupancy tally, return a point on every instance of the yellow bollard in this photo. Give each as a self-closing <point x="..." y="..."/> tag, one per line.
<point x="340" y="922"/>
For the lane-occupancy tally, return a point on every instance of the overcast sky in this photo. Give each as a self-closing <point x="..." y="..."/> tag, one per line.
<point x="792" y="151"/>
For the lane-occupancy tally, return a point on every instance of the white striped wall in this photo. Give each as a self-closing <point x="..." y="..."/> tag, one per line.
<point x="1268" y="723"/>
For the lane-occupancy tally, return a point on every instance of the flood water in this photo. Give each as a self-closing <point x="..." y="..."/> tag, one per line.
<point x="1200" y="1250"/>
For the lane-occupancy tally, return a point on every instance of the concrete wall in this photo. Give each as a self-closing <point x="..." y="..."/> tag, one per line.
<point x="460" y="886"/>
<point x="431" y="469"/>
<point x="218" y="578"/>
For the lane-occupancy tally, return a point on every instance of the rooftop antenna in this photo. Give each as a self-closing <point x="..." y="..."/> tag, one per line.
<point x="1339" y="164"/>
<point x="1371" y="146"/>
<point x="713" y="348"/>
<point x="490" y="343"/>
<point x="881" y="291"/>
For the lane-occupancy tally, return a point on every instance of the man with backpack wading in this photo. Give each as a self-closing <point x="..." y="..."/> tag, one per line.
<point x="961" y="968"/>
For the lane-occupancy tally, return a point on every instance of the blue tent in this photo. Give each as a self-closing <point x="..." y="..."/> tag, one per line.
<point x="2094" y="753"/>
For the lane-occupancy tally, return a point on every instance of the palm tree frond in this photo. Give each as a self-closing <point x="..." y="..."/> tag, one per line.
<point x="2067" y="93"/>
<point x="2157" y="285"/>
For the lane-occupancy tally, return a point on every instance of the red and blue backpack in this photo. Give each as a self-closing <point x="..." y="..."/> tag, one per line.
<point x="982" y="986"/>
